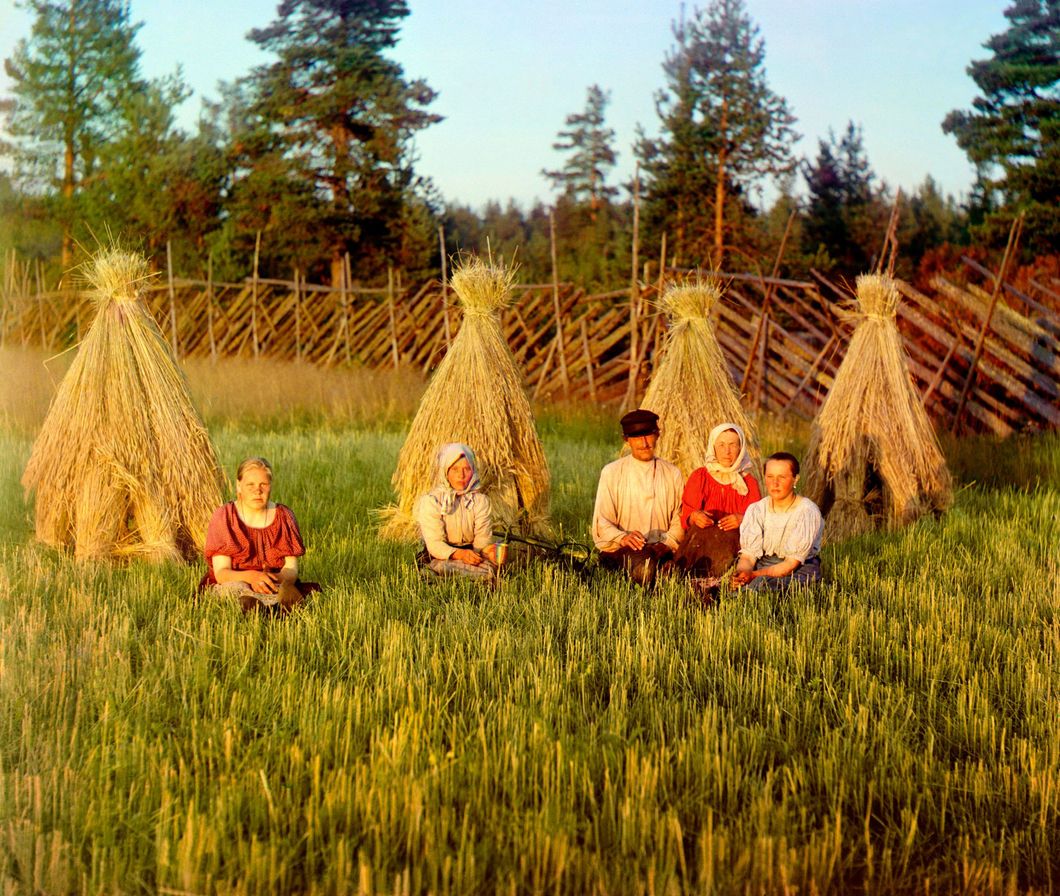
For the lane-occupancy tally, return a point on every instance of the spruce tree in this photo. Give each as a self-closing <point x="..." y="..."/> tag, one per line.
<point x="723" y="128"/>
<point x="328" y="129"/>
<point x="71" y="78"/>
<point x="1012" y="132"/>
<point x="583" y="177"/>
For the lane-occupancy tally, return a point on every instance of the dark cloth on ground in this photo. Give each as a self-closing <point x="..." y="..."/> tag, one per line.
<point x="709" y="551"/>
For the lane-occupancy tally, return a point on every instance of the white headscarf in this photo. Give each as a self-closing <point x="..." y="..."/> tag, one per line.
<point x="731" y="475"/>
<point x="447" y="496"/>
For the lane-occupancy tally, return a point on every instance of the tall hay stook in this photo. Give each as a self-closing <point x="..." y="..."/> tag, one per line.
<point x="691" y="389"/>
<point x="874" y="460"/>
<point x="476" y="396"/>
<point x="123" y="465"/>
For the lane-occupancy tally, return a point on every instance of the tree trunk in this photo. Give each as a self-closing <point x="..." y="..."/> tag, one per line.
<point x="719" y="190"/>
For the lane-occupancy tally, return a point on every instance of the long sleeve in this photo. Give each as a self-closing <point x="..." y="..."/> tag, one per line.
<point x="432" y="528"/>
<point x="752" y="531"/>
<point x="803" y="538"/>
<point x="675" y="532"/>
<point x="606" y="531"/>
<point x="483" y="521"/>
<point x="692" y="496"/>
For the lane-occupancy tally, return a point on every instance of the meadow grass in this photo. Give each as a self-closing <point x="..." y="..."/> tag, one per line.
<point x="894" y="730"/>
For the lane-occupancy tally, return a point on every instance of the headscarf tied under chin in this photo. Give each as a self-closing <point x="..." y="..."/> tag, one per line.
<point x="731" y="475"/>
<point x="448" y="497"/>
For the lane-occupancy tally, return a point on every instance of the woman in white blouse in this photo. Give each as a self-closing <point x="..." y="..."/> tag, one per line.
<point x="454" y="518"/>
<point x="780" y="536"/>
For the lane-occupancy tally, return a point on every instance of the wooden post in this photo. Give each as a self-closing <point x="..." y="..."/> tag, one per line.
<point x="393" y="319"/>
<point x="45" y="344"/>
<point x="445" y="285"/>
<point x="890" y="239"/>
<point x="560" y="347"/>
<point x="347" y="284"/>
<point x="1010" y="250"/>
<point x="588" y="361"/>
<point x="209" y="307"/>
<point x="297" y="316"/>
<point x="254" y="295"/>
<point x="810" y="373"/>
<point x="634" y="294"/>
<point x="765" y="304"/>
<point x="172" y="302"/>
<point x="760" y="386"/>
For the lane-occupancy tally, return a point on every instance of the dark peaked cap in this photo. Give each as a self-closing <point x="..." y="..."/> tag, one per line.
<point x="639" y="423"/>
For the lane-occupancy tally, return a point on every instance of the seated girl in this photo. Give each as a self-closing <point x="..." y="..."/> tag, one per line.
<point x="253" y="545"/>
<point x="780" y="536"/>
<point x="714" y="502"/>
<point x="454" y="518"/>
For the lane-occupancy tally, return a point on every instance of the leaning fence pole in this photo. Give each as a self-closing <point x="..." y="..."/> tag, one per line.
<point x="44" y="342"/>
<point x="1010" y="250"/>
<point x="560" y="347"/>
<point x="254" y="295"/>
<point x="588" y="361"/>
<point x="209" y="307"/>
<point x="768" y="297"/>
<point x="172" y="301"/>
<point x="347" y="285"/>
<point x="445" y="284"/>
<point x="297" y="316"/>
<point x="393" y="318"/>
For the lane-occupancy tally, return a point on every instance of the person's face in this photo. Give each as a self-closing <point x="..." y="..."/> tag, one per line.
<point x="727" y="448"/>
<point x="459" y="474"/>
<point x="643" y="447"/>
<point x="780" y="481"/>
<point x="254" y="488"/>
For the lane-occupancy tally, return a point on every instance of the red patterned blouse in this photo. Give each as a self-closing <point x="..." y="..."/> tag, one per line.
<point x="248" y="547"/>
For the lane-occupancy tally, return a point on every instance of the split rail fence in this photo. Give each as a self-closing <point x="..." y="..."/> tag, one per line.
<point x="980" y="364"/>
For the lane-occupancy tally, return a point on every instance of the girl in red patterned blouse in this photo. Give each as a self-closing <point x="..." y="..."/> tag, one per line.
<point x="253" y="544"/>
<point x="714" y="501"/>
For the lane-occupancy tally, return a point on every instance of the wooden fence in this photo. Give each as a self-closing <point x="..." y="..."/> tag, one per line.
<point x="782" y="338"/>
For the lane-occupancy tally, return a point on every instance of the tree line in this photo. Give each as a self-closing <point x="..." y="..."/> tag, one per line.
<point x="315" y="150"/>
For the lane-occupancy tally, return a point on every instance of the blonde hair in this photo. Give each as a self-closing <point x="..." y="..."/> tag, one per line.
<point x="253" y="463"/>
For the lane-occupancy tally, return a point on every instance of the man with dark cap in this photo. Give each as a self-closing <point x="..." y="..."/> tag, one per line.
<point x="637" y="518"/>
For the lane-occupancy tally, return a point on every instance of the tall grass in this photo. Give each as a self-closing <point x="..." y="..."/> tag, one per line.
<point x="892" y="731"/>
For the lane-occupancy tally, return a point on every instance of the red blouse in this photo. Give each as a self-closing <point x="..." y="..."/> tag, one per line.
<point x="252" y="548"/>
<point x="704" y="492"/>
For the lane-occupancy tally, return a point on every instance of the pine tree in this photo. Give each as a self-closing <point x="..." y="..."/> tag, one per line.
<point x="722" y="126"/>
<point x="583" y="176"/>
<point x="1012" y="133"/>
<point x="328" y="129"/>
<point x="70" y="78"/>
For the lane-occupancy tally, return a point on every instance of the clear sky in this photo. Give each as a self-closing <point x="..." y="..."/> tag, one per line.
<point x="508" y="73"/>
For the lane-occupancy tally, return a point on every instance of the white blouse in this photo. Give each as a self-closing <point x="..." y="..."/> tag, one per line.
<point x="443" y="533"/>
<point x="792" y="534"/>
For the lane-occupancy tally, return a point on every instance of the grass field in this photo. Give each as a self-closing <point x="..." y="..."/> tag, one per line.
<point x="893" y="731"/>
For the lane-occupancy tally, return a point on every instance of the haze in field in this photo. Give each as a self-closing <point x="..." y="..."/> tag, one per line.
<point x="509" y="73"/>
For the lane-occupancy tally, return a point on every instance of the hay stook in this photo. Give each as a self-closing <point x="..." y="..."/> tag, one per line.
<point x="123" y="465"/>
<point x="874" y="460"/>
<point x="691" y="389"/>
<point x="476" y="396"/>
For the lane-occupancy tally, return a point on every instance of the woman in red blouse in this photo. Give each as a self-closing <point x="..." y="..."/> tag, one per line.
<point x="714" y="501"/>
<point x="253" y="544"/>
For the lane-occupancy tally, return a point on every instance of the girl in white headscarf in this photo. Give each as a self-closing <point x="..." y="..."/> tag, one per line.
<point x="714" y="501"/>
<point x="454" y="517"/>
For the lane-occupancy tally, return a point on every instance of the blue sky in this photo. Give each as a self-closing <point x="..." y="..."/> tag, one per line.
<point x="508" y="73"/>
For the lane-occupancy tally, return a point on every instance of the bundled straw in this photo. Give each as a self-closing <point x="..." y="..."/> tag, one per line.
<point x="476" y="396"/>
<point x="123" y="465"/>
<point x="874" y="460"/>
<point x="691" y="389"/>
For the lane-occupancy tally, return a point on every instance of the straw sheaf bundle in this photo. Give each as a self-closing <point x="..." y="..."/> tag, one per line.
<point x="873" y="458"/>
<point x="476" y="396"/>
<point x="690" y="388"/>
<point x="123" y="465"/>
